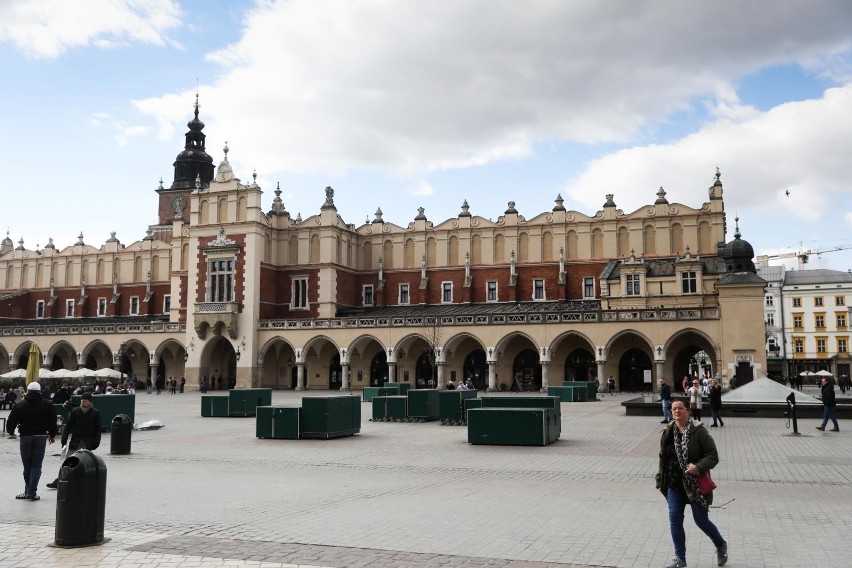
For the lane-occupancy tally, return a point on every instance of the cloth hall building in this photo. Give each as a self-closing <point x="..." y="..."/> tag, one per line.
<point x="222" y="289"/>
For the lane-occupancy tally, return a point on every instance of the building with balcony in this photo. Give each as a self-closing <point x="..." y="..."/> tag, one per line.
<point x="220" y="288"/>
<point x="807" y="320"/>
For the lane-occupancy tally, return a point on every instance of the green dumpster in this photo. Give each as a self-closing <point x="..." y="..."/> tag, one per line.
<point x="589" y="386"/>
<point x="423" y="404"/>
<point x="522" y="402"/>
<point x="451" y="405"/>
<point x="243" y="402"/>
<point x="61" y="411"/>
<point x="512" y="426"/>
<point x="370" y="392"/>
<point x="110" y="406"/>
<point x="398" y="388"/>
<point x="278" y="422"/>
<point x="214" y="405"/>
<point x="568" y="394"/>
<point x="330" y="416"/>
<point x="390" y="408"/>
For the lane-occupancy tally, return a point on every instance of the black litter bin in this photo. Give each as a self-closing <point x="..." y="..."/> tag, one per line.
<point x="81" y="500"/>
<point x="119" y="439"/>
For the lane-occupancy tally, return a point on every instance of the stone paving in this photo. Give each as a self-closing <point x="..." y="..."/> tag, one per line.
<point x="207" y="492"/>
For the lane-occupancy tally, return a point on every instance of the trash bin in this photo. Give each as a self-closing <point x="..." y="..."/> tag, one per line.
<point x="81" y="500"/>
<point x="119" y="439"/>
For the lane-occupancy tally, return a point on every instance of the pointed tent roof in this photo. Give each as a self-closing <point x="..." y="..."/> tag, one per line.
<point x="766" y="390"/>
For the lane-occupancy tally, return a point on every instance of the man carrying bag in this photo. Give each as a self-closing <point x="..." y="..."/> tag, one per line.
<point x="84" y="429"/>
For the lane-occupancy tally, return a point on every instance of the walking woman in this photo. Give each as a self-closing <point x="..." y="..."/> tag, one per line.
<point x="686" y="450"/>
<point x="695" y="400"/>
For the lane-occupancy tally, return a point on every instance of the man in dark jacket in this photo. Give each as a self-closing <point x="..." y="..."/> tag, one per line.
<point x="35" y="419"/>
<point x="84" y="428"/>
<point x="666" y="398"/>
<point x="828" y="406"/>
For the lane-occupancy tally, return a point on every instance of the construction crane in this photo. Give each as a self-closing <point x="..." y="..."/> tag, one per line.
<point x="802" y="255"/>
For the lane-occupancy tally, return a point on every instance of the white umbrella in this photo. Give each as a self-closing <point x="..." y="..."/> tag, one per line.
<point x="107" y="373"/>
<point x="45" y="373"/>
<point x="805" y="374"/>
<point x="16" y="374"/>
<point x="80" y="373"/>
<point x="823" y="373"/>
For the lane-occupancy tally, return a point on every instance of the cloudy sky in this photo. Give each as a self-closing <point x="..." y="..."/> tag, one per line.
<point x="401" y="105"/>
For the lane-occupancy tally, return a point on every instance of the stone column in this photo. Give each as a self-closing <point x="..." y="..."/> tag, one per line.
<point x="152" y="374"/>
<point x="391" y="372"/>
<point x="300" y="376"/>
<point x="659" y="365"/>
<point x="602" y="376"/>
<point x="441" y="369"/>
<point x="545" y="375"/>
<point x="492" y="376"/>
<point x="344" y="385"/>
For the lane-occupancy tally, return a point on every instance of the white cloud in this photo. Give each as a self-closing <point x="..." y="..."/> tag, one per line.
<point x="48" y="28"/>
<point x="801" y="147"/>
<point x="414" y="87"/>
<point x="421" y="188"/>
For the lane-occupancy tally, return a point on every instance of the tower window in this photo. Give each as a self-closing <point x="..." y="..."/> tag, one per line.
<point x="221" y="283"/>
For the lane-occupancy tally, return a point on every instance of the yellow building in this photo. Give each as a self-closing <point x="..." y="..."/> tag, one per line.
<point x="218" y="288"/>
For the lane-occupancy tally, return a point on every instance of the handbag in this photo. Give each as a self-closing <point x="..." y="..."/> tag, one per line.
<point x="705" y="483"/>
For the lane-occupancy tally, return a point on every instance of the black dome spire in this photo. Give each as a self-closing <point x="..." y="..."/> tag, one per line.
<point x="738" y="253"/>
<point x="193" y="161"/>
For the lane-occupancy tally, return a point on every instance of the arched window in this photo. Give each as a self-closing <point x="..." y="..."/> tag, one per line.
<point x="293" y="252"/>
<point x="547" y="252"/>
<point x="523" y="247"/>
<point x="571" y="244"/>
<point x="649" y="240"/>
<point x="677" y="238"/>
<point x="623" y="241"/>
<point x="431" y="252"/>
<point x="597" y="243"/>
<point x="408" y="253"/>
<point x="315" y="249"/>
<point x="453" y="251"/>
<point x="367" y="256"/>
<point x="476" y="250"/>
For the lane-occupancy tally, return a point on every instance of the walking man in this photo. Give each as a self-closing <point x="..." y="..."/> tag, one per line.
<point x="828" y="406"/>
<point x="84" y="429"/>
<point x="35" y="419"/>
<point x="666" y="398"/>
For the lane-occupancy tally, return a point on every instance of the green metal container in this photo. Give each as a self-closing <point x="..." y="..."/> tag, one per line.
<point x="110" y="406"/>
<point x="522" y="402"/>
<point x="61" y="411"/>
<point x="568" y="394"/>
<point x="451" y="404"/>
<point x="380" y="408"/>
<point x="330" y="416"/>
<point x="279" y="422"/>
<point x="214" y="405"/>
<point x="370" y="392"/>
<point x="591" y="392"/>
<point x="244" y="402"/>
<point x="512" y="426"/>
<point x="390" y="408"/>
<point x="398" y="388"/>
<point x="423" y="404"/>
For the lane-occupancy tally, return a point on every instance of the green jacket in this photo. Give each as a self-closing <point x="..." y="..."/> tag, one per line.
<point x="702" y="452"/>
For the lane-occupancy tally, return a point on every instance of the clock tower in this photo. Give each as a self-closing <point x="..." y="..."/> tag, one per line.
<point x="193" y="170"/>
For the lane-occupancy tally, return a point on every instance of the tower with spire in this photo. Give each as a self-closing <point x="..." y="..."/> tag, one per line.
<point x="193" y="171"/>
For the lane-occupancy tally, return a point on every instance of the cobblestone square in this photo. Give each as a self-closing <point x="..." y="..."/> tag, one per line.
<point x="207" y="492"/>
